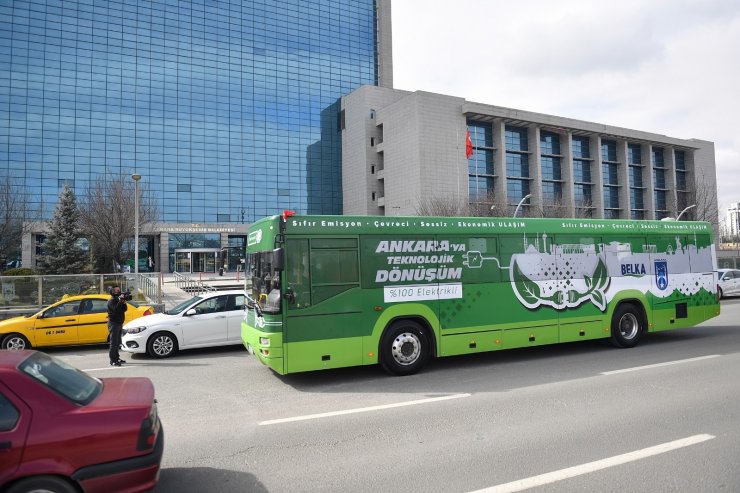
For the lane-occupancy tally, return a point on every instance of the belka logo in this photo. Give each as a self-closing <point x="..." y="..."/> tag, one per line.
<point x="661" y="274"/>
<point x="633" y="269"/>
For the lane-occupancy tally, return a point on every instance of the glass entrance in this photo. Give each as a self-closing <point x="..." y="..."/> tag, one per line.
<point x="192" y="260"/>
<point x="182" y="262"/>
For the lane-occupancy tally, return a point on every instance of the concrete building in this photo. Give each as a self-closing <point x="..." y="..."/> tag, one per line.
<point x="406" y="151"/>
<point x="732" y="221"/>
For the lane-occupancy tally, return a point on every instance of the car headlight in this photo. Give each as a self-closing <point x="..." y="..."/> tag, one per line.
<point x="134" y="330"/>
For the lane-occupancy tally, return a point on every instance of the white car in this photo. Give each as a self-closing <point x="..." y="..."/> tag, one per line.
<point x="213" y="319"/>
<point x="728" y="282"/>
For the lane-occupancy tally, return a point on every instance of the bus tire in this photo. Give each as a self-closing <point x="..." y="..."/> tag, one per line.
<point x="627" y="326"/>
<point x="404" y="348"/>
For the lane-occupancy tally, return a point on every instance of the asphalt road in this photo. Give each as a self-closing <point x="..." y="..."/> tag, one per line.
<point x="565" y="418"/>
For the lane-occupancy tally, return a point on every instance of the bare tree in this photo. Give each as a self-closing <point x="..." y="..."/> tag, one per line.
<point x="438" y="205"/>
<point x="15" y="217"/>
<point x="107" y="218"/>
<point x="554" y="207"/>
<point x="704" y="196"/>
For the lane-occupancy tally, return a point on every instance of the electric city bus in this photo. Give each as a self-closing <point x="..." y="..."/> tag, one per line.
<point x="338" y="291"/>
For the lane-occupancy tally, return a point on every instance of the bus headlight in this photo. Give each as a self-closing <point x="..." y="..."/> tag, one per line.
<point x="265" y="341"/>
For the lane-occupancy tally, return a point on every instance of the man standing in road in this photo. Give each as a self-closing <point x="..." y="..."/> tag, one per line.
<point x="116" y="315"/>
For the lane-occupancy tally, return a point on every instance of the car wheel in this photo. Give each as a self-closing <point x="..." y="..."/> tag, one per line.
<point x="15" y="342"/>
<point x="50" y="484"/>
<point x="161" y="345"/>
<point x="720" y="294"/>
<point x="627" y="326"/>
<point x="404" y="348"/>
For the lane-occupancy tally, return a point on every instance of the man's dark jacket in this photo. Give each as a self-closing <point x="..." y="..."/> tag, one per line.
<point x="116" y="310"/>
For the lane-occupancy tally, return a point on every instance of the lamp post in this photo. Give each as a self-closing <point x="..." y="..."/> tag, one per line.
<point x="136" y="177"/>
<point x="689" y="207"/>
<point x="516" y="211"/>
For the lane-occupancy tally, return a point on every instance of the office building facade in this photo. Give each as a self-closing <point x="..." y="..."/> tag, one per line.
<point x="228" y="110"/>
<point x="406" y="151"/>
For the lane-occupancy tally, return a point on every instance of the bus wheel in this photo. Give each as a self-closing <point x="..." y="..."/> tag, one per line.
<point x="404" y="348"/>
<point x="627" y="326"/>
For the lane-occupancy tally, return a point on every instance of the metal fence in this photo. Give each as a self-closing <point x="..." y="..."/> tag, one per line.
<point x="192" y="285"/>
<point x="23" y="294"/>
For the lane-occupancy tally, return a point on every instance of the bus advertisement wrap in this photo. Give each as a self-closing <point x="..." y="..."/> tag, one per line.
<point x="398" y="291"/>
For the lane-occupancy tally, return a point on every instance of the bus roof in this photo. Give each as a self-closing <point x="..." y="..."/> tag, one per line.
<point x="351" y="225"/>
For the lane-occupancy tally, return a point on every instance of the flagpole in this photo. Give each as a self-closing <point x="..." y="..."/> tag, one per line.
<point x="457" y="171"/>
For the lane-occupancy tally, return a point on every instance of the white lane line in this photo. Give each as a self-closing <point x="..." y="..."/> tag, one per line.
<point x="108" y="368"/>
<point x="657" y="365"/>
<point x="361" y="409"/>
<point x="552" y="477"/>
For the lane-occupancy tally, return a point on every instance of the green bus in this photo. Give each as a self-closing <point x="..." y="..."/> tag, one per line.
<point x="338" y="291"/>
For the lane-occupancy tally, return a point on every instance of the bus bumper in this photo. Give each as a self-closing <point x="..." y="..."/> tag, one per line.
<point x="266" y="346"/>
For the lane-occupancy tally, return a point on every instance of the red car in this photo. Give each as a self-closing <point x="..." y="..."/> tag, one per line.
<point x="64" y="431"/>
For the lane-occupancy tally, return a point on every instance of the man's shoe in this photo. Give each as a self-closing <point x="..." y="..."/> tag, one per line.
<point x="121" y="361"/>
<point x="115" y="363"/>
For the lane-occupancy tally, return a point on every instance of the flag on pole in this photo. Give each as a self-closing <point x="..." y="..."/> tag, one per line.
<point x="468" y="145"/>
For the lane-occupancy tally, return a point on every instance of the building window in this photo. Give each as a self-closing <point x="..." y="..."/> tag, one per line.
<point x="372" y="141"/>
<point x="517" y="164"/>
<point x="637" y="189"/>
<point x="183" y="187"/>
<point x="372" y="114"/>
<point x="610" y="175"/>
<point x="223" y="218"/>
<point x="682" y="192"/>
<point x="659" y="182"/>
<point x="481" y="173"/>
<point x="582" y="175"/>
<point x="551" y="158"/>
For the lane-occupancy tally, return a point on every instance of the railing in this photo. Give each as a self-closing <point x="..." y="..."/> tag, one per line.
<point x="192" y="285"/>
<point x="28" y="294"/>
<point x="150" y="285"/>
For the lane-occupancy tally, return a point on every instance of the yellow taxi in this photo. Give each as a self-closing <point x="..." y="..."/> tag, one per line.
<point x="81" y="319"/>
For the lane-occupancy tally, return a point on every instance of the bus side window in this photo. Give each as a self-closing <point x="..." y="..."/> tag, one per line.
<point x="297" y="273"/>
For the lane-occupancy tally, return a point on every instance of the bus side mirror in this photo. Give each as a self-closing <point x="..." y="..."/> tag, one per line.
<point x="290" y="295"/>
<point x="278" y="259"/>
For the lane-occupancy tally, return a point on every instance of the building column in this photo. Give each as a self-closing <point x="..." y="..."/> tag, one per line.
<point x="164" y="253"/>
<point x="623" y="180"/>
<point x="499" y="166"/>
<point x="671" y="196"/>
<point x="535" y="169"/>
<point x="648" y="196"/>
<point x="597" y="177"/>
<point x="566" y="171"/>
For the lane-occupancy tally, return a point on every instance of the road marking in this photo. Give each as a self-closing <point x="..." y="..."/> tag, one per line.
<point x="108" y="368"/>
<point x="657" y="365"/>
<point x="552" y="477"/>
<point x="362" y="409"/>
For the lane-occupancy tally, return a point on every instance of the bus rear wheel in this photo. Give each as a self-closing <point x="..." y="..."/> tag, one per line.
<point x="627" y="326"/>
<point x="404" y="348"/>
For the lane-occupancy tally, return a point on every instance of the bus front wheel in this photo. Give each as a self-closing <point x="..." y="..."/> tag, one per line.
<point x="404" y="348"/>
<point x="627" y="326"/>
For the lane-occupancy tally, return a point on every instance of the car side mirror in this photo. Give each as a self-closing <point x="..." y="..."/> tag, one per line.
<point x="190" y="312"/>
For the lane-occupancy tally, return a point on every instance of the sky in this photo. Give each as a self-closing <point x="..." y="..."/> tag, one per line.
<point x="670" y="67"/>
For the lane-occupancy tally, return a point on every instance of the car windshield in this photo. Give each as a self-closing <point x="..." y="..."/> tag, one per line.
<point x="66" y="380"/>
<point x="182" y="306"/>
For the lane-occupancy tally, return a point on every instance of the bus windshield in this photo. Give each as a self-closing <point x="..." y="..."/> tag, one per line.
<point x="263" y="270"/>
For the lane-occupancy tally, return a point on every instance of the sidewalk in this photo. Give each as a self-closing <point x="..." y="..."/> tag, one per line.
<point x="172" y="295"/>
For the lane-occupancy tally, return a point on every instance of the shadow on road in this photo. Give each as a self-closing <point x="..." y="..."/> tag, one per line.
<point x="525" y="367"/>
<point x="181" y="479"/>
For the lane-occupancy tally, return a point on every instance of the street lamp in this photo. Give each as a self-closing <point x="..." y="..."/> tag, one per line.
<point x="136" y="177"/>
<point x="516" y="211"/>
<point x="689" y="207"/>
